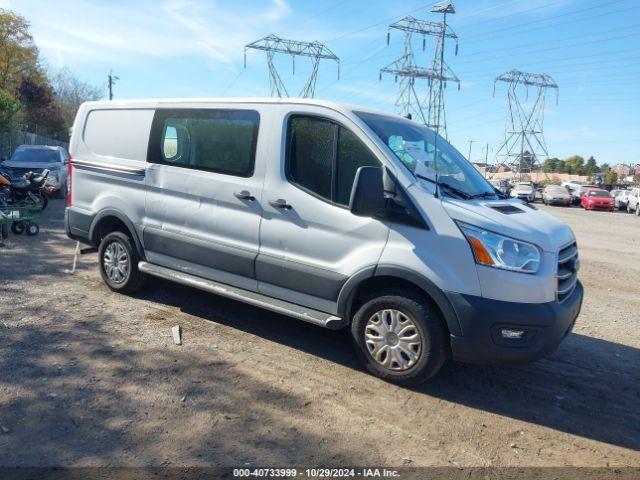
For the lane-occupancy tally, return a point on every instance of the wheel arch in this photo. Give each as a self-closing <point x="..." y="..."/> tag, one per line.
<point x="110" y="220"/>
<point x="385" y="276"/>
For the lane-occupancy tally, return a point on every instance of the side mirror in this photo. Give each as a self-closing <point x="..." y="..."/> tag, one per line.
<point x="367" y="195"/>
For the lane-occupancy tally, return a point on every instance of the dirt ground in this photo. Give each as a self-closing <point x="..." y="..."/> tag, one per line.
<point x="92" y="378"/>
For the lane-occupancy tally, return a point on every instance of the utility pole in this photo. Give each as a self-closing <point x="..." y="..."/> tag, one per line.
<point x="112" y="81"/>
<point x="471" y="142"/>
<point x="524" y="135"/>
<point x="273" y="44"/>
<point x="486" y="161"/>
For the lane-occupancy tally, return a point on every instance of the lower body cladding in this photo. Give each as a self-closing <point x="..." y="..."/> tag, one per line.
<point x="494" y="331"/>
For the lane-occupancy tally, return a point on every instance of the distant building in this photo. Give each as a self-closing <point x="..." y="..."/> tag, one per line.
<point x="622" y="170"/>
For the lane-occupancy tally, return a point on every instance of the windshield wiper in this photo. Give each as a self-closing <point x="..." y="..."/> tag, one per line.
<point x="446" y="186"/>
<point x="486" y="195"/>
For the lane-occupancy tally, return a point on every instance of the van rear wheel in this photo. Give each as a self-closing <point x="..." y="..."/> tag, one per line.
<point x="119" y="259"/>
<point x="400" y="337"/>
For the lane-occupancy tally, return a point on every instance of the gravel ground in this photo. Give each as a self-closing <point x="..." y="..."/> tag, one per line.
<point x="92" y="378"/>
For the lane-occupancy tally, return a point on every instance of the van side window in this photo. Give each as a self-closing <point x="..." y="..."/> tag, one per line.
<point x="323" y="157"/>
<point x="222" y="141"/>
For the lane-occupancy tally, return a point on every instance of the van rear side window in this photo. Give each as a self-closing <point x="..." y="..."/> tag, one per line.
<point x="221" y="141"/>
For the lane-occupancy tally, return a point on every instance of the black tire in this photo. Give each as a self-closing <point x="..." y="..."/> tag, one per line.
<point x="4" y="231"/>
<point x="428" y="322"/>
<point x="32" y="229"/>
<point x="42" y="200"/>
<point x="134" y="279"/>
<point x="18" y="228"/>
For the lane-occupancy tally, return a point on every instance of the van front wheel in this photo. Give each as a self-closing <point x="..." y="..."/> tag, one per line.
<point x="400" y="337"/>
<point x="119" y="263"/>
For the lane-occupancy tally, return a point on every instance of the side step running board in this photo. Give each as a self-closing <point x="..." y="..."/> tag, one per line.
<point x="280" y="306"/>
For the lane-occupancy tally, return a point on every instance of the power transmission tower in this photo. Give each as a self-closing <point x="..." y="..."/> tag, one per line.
<point x="437" y="117"/>
<point x="112" y="81"/>
<point x="315" y="50"/>
<point x="524" y="135"/>
<point x="429" y="111"/>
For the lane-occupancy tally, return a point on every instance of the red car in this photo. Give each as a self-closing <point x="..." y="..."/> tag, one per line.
<point x="597" y="199"/>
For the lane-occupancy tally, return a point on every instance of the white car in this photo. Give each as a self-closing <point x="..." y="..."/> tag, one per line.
<point x="620" y="198"/>
<point x="556" y="195"/>
<point x="633" y="201"/>
<point x="524" y="191"/>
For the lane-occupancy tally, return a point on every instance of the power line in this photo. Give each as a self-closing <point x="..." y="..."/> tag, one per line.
<point x="556" y="47"/>
<point x="574" y="12"/>
<point x="377" y="24"/>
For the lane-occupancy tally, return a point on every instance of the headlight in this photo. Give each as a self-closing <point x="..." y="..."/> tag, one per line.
<point x="498" y="251"/>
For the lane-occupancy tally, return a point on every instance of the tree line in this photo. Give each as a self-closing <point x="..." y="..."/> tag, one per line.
<point x="575" y="165"/>
<point x="34" y="97"/>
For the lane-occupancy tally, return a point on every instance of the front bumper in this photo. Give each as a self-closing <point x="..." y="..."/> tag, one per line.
<point x="605" y="207"/>
<point x="481" y="321"/>
<point x="526" y="198"/>
<point x="559" y="201"/>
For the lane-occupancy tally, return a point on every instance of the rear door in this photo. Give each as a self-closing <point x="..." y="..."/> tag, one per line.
<point x="203" y="189"/>
<point x="310" y="241"/>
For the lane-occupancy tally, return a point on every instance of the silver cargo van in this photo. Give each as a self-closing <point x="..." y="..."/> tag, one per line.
<point x="334" y="214"/>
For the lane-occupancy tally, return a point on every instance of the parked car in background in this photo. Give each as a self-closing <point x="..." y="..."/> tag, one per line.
<point x="620" y="199"/>
<point x="580" y="191"/>
<point x="633" y="201"/>
<point x="556" y="195"/>
<point x="501" y="185"/>
<point x="523" y="191"/>
<point x="36" y="159"/>
<point x="597" y="199"/>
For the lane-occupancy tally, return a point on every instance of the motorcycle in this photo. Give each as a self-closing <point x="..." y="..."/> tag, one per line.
<point x="29" y="189"/>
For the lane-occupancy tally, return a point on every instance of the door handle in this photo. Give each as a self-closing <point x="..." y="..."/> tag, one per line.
<point x="244" y="195"/>
<point x="280" y="203"/>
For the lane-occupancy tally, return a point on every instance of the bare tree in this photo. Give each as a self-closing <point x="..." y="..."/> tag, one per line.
<point x="71" y="92"/>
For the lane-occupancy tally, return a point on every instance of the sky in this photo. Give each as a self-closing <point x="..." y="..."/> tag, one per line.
<point x="195" y="48"/>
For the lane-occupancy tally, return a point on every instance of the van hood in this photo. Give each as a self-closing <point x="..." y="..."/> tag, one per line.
<point x="529" y="224"/>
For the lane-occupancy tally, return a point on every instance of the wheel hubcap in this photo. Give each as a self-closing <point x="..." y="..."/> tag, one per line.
<point x="393" y="340"/>
<point x="116" y="262"/>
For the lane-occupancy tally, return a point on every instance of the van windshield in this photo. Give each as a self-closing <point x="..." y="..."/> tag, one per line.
<point x="429" y="156"/>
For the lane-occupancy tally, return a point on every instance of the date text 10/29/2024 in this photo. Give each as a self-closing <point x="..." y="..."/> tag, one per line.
<point x="315" y="473"/>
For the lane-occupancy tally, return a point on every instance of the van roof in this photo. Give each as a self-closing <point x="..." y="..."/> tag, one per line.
<point x="154" y="102"/>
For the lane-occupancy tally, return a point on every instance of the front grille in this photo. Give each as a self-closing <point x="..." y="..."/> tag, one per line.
<point x="567" y="271"/>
